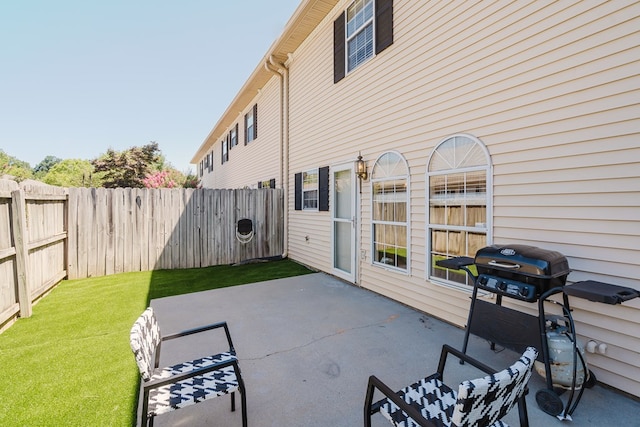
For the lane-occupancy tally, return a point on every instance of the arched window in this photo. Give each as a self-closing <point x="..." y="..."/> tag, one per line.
<point x="390" y="211"/>
<point x="459" y="214"/>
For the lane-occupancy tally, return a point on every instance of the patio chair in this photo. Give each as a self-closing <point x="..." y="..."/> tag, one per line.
<point x="173" y="387"/>
<point x="479" y="402"/>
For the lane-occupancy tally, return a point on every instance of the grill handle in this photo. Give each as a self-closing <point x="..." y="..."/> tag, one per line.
<point x="495" y="263"/>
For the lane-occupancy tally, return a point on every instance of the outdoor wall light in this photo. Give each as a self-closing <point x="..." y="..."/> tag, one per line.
<point x="361" y="168"/>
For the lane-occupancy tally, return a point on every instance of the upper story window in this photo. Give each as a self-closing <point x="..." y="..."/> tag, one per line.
<point x="390" y="216"/>
<point x="363" y="30"/>
<point x="458" y="179"/>
<point x="359" y="33"/>
<point x="225" y="150"/>
<point x="233" y="136"/>
<point x="310" y="189"/>
<point x="251" y="125"/>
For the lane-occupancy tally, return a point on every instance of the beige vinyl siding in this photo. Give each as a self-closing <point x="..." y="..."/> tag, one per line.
<point x="551" y="88"/>
<point x="259" y="160"/>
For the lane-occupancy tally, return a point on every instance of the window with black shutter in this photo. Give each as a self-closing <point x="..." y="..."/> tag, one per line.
<point x="225" y="150"/>
<point x="251" y="125"/>
<point x="354" y="41"/>
<point x="233" y="136"/>
<point x="311" y="190"/>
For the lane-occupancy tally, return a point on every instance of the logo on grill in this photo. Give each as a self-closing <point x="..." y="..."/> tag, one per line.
<point x="508" y="252"/>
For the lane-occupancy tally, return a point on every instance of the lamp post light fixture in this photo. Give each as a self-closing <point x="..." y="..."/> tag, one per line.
<point x="361" y="168"/>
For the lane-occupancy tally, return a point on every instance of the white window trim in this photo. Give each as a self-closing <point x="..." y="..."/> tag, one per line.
<point x="225" y="151"/>
<point x="251" y="136"/>
<point x="317" y="190"/>
<point x="489" y="195"/>
<point x="406" y="271"/>
<point x="233" y="135"/>
<point x="372" y="20"/>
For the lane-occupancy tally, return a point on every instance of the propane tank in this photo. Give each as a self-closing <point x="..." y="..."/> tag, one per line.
<point x="561" y="351"/>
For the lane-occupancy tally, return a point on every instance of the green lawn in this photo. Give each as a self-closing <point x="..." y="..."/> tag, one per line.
<point x="70" y="364"/>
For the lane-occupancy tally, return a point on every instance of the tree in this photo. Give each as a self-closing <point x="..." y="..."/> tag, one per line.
<point x="190" y="181"/>
<point x="45" y="165"/>
<point x="15" y="168"/>
<point x="128" y="168"/>
<point x="73" y="173"/>
<point x="169" y="177"/>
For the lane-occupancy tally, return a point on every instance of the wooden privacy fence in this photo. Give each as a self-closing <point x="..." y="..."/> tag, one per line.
<point x="129" y="229"/>
<point x="49" y="233"/>
<point x="33" y="245"/>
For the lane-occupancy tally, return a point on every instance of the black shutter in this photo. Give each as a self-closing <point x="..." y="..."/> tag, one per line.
<point x="259" y="184"/>
<point x="272" y="183"/>
<point x="338" y="48"/>
<point x="222" y="153"/>
<point x="298" y="191"/>
<point x="384" y="24"/>
<point x="255" y="121"/>
<point x="323" y="189"/>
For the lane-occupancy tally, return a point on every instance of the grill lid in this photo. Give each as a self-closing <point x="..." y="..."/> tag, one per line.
<point x="521" y="259"/>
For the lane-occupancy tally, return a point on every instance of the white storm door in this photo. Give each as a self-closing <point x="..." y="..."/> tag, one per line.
<point x="343" y="216"/>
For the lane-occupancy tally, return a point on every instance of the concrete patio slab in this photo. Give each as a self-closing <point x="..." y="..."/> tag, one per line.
<point x="307" y="345"/>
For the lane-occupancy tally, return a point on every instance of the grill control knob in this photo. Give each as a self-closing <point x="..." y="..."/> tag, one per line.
<point x="502" y="286"/>
<point x="524" y="291"/>
<point x="483" y="280"/>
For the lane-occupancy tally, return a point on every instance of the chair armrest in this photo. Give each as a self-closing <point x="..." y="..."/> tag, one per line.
<point x="447" y="349"/>
<point x="202" y="329"/>
<point x="193" y="373"/>
<point x="375" y="383"/>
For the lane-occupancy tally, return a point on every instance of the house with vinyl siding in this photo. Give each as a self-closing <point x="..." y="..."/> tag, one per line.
<point x="478" y="123"/>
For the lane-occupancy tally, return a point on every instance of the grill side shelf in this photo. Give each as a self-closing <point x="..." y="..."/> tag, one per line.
<point x="455" y="263"/>
<point x="601" y="292"/>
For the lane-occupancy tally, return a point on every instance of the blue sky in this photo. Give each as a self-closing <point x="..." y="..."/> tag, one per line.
<point x="80" y="76"/>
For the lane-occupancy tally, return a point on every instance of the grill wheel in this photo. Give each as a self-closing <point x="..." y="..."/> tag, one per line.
<point x="549" y="402"/>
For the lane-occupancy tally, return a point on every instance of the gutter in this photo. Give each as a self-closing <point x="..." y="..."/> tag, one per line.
<point x="282" y="71"/>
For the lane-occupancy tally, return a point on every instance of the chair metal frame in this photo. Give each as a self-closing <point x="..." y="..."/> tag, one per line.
<point x="149" y="385"/>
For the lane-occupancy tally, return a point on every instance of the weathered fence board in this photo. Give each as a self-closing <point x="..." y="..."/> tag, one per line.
<point x="33" y="245"/>
<point x="123" y="230"/>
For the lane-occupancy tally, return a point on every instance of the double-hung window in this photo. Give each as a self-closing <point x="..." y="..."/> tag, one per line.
<point x="459" y="182"/>
<point x="359" y="33"/>
<point x="225" y="150"/>
<point x="251" y="125"/>
<point x="363" y="30"/>
<point x="233" y="136"/>
<point x="310" y="190"/>
<point x="389" y="186"/>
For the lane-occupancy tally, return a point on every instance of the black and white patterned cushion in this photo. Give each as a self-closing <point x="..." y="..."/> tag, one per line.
<point x="479" y="402"/>
<point x="433" y="399"/>
<point x="192" y="390"/>
<point x="144" y="339"/>
<point x="486" y="400"/>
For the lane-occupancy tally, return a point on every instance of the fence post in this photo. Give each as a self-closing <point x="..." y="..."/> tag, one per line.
<point x="19" y="208"/>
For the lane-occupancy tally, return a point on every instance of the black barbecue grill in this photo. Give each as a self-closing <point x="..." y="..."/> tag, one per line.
<point x="520" y="271"/>
<point x="530" y="274"/>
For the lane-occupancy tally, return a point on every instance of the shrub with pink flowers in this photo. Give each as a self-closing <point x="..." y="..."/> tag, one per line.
<point x="159" y="179"/>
